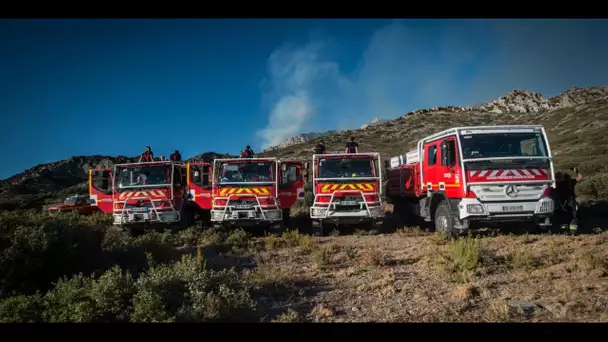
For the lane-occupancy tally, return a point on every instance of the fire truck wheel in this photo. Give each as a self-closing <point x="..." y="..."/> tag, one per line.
<point x="444" y="221"/>
<point x="286" y="216"/>
<point x="276" y="229"/>
<point x="317" y="228"/>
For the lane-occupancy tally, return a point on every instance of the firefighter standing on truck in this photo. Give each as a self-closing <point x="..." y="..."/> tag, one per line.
<point x="247" y="152"/>
<point x="320" y="148"/>
<point x="147" y="156"/>
<point x="351" y="146"/>
<point x="176" y="156"/>
<point x="565" y="200"/>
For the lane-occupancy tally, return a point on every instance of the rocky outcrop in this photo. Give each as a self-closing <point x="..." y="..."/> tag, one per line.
<point x="374" y="122"/>
<point x="299" y="139"/>
<point x="523" y="101"/>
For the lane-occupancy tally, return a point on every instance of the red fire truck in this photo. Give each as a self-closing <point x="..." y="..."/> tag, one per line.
<point x="80" y="204"/>
<point x="200" y="176"/>
<point x="255" y="191"/>
<point x="467" y="174"/>
<point x="346" y="189"/>
<point x="143" y="194"/>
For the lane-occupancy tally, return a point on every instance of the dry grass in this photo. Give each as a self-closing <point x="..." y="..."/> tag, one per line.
<point x="420" y="277"/>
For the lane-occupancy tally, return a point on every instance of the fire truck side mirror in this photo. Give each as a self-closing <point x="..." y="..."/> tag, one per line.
<point x="105" y="174"/>
<point x="306" y="166"/>
<point x="283" y="167"/>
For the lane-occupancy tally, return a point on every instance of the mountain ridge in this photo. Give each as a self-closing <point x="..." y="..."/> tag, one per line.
<point x="517" y="100"/>
<point x="575" y="121"/>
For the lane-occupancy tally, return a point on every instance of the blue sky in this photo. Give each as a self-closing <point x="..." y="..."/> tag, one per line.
<point x="110" y="87"/>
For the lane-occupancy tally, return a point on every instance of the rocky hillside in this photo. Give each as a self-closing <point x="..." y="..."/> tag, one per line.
<point x="53" y="181"/>
<point x="517" y="101"/>
<point x="576" y="122"/>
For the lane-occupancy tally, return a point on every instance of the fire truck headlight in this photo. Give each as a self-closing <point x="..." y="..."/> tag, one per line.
<point x="475" y="208"/>
<point x="273" y="214"/>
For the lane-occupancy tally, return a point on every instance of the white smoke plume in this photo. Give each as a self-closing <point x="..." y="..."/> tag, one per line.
<point x="413" y="64"/>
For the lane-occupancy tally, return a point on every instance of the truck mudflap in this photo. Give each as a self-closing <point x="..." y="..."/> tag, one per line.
<point x="246" y="214"/>
<point x="473" y="209"/>
<point x="336" y="209"/>
<point x="129" y="214"/>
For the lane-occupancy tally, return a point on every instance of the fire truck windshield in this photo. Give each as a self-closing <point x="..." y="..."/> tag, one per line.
<point x="246" y="172"/>
<point x="70" y="201"/>
<point x="346" y="167"/>
<point x="135" y="176"/>
<point x="492" y="145"/>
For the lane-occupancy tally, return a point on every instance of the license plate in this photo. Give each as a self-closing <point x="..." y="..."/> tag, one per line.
<point x="348" y="203"/>
<point x="242" y="206"/>
<point x="139" y="210"/>
<point x="512" y="208"/>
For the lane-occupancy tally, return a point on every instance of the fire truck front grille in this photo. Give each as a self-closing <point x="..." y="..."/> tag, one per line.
<point x="243" y="204"/>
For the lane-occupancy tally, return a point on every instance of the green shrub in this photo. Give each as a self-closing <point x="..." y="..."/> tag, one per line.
<point x="184" y="292"/>
<point x="86" y="299"/>
<point x="21" y="309"/>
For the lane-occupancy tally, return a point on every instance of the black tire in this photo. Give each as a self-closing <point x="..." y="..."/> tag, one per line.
<point x="286" y="217"/>
<point x="276" y="229"/>
<point x="443" y="220"/>
<point x="317" y="228"/>
<point x="387" y="198"/>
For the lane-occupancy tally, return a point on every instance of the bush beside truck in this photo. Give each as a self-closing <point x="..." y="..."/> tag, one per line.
<point x="72" y="268"/>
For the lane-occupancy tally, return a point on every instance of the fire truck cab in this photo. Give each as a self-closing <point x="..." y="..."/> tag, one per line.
<point x="199" y="179"/>
<point x="80" y="204"/>
<point x="347" y="190"/>
<point x="483" y="173"/>
<point x="255" y="191"/>
<point x="143" y="194"/>
<point x="100" y="189"/>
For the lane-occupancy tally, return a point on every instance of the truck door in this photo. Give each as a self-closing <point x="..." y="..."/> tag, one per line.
<point x="448" y="171"/>
<point x="180" y="192"/>
<point x="199" y="183"/>
<point x="430" y="166"/>
<point x="100" y="189"/>
<point x="291" y="184"/>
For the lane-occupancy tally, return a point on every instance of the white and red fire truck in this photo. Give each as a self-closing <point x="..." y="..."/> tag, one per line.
<point x="347" y="190"/>
<point x="255" y="191"/>
<point x="467" y="174"/>
<point x="142" y="194"/>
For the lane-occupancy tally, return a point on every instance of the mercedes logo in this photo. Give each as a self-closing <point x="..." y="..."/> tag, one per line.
<point x="511" y="191"/>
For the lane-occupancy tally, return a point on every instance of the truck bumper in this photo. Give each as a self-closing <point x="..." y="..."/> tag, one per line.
<point x="512" y="211"/>
<point x="166" y="217"/>
<point x="335" y="215"/>
<point x="246" y="217"/>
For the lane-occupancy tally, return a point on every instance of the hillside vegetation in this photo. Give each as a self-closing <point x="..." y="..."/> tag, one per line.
<point x="577" y="136"/>
<point x="68" y="268"/>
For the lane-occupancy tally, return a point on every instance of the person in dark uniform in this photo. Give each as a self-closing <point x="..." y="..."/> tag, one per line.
<point x="147" y="156"/>
<point x="320" y="148"/>
<point x="565" y="201"/>
<point x="176" y="156"/>
<point x="351" y="146"/>
<point x="247" y="152"/>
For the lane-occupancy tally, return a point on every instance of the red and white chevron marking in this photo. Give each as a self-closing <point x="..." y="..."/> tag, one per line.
<point x="142" y="194"/>
<point x="510" y="174"/>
